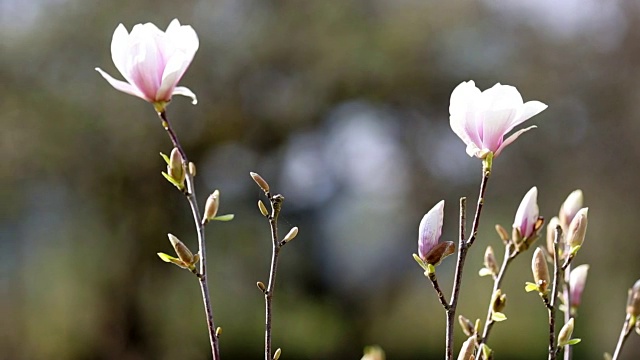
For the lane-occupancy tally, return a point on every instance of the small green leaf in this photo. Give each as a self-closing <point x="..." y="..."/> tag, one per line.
<point x="430" y="270"/>
<point x="170" y="259"/>
<point x="165" y="157"/>
<point x="172" y="180"/>
<point x="573" y="341"/>
<point x="227" y="217"/>
<point x="485" y="272"/>
<point x="420" y="262"/>
<point x="165" y="257"/>
<point x="486" y="351"/>
<point x="529" y="287"/>
<point x="498" y="316"/>
<point x="574" y="250"/>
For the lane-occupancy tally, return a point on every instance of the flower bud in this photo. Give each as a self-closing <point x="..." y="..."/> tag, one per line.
<point x="430" y="230"/>
<point x="277" y="354"/>
<point x="175" y="169"/>
<point x="467" y="326"/>
<point x="498" y="301"/>
<point x="260" y="181"/>
<point x="290" y="235"/>
<point x="578" y="228"/>
<point x="577" y="280"/>
<point x="540" y="271"/>
<point x="570" y="208"/>
<point x="263" y="209"/>
<point x="504" y="235"/>
<point x="211" y="206"/>
<point x="551" y="235"/>
<point x="218" y="331"/>
<point x="565" y="333"/>
<point x="373" y="353"/>
<point x="192" y="169"/>
<point x="527" y="214"/>
<point x="633" y="301"/>
<point x="468" y="349"/>
<point x="181" y="249"/>
<point x="261" y="286"/>
<point x="490" y="261"/>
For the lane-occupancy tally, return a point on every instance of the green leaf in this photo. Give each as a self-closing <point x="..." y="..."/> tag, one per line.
<point x="529" y="287"/>
<point x="573" y="341"/>
<point x="172" y="180"/>
<point x="430" y="270"/>
<point x="574" y="250"/>
<point x="486" y="351"/>
<point x="420" y="262"/>
<point x="227" y="217"/>
<point x="498" y="316"/>
<point x="485" y="272"/>
<point x="170" y="259"/>
<point x="165" y="157"/>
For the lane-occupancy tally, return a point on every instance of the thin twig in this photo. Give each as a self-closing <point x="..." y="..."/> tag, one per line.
<point x="566" y="295"/>
<point x="276" y="203"/>
<point x="436" y="286"/>
<point x="193" y="204"/>
<point x="463" y="247"/>
<point x="551" y="303"/>
<point x="624" y="334"/>
<point x="508" y="257"/>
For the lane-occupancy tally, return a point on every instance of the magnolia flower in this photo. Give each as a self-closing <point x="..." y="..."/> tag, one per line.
<point x="482" y="118"/>
<point x="570" y="208"/>
<point x="152" y="62"/>
<point x="527" y="214"/>
<point x="577" y="280"/>
<point x="429" y="234"/>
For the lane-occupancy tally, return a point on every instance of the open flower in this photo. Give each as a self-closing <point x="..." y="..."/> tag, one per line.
<point x="482" y="118"/>
<point x="152" y="62"/>
<point x="429" y="232"/>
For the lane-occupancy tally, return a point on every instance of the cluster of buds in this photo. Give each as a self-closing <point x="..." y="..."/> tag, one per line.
<point x="573" y="219"/>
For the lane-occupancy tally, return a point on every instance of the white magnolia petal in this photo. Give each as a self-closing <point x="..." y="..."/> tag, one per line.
<point x="462" y="96"/>
<point x="184" y="91"/>
<point x="513" y="138"/>
<point x="527" y="213"/>
<point x="501" y="97"/>
<point x="122" y="86"/>
<point x="120" y="50"/>
<point x="529" y="110"/>
<point x="173" y="71"/>
<point x="495" y="126"/>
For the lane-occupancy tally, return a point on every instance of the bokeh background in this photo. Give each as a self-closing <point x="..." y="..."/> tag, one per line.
<point x="342" y="106"/>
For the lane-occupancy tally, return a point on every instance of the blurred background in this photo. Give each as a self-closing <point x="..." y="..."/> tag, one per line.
<point x="342" y="106"/>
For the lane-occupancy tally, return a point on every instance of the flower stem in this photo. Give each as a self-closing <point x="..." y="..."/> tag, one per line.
<point x="624" y="334"/>
<point x="436" y="286"/>
<point x="463" y="247"/>
<point x="276" y="204"/>
<point x="193" y="204"/>
<point x="566" y="296"/>
<point x="551" y="303"/>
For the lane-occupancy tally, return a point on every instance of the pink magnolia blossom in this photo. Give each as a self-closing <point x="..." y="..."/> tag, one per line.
<point x="482" y="118"/>
<point x="430" y="230"/>
<point x="577" y="280"/>
<point x="152" y="61"/>
<point x="527" y="214"/>
<point x="570" y="208"/>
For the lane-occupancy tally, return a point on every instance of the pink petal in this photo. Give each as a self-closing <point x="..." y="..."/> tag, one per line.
<point x="512" y="138"/>
<point x="173" y="71"/>
<point x="430" y="229"/>
<point x="146" y="68"/>
<point x="501" y="97"/>
<point x="120" y="50"/>
<point x="527" y="213"/>
<point x="495" y="126"/>
<point x="122" y="86"/>
<point x="181" y="90"/>
<point x="462" y="96"/>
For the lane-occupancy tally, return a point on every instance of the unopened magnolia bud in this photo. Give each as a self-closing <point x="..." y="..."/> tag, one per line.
<point x="490" y="261"/>
<point x="570" y="208"/>
<point x="290" y="235"/>
<point x="578" y="228"/>
<point x="175" y="168"/>
<point x="498" y="301"/>
<point x="633" y="301"/>
<point x="439" y="252"/>
<point x="211" y="206"/>
<point x="504" y="235"/>
<point x="277" y="354"/>
<point x="263" y="209"/>
<point x="466" y="325"/>
<point x="192" y="169"/>
<point x="565" y="333"/>
<point x="551" y="235"/>
<point x="218" y="331"/>
<point x="468" y="349"/>
<point x="373" y="353"/>
<point x="577" y="280"/>
<point x="181" y="249"/>
<point x="540" y="271"/>
<point x="261" y="286"/>
<point x="260" y="181"/>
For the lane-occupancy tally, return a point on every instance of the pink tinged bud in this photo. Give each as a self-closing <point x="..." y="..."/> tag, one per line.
<point x="468" y="348"/>
<point x="527" y="214"/>
<point x="577" y="280"/>
<point x="633" y="301"/>
<point x="483" y="118"/>
<point x="551" y="235"/>
<point x="430" y="230"/>
<point x="570" y="208"/>
<point x="578" y="228"/>
<point x="152" y="61"/>
<point x="540" y="271"/>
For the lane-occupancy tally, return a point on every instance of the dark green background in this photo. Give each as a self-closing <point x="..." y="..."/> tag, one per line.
<point x="343" y="107"/>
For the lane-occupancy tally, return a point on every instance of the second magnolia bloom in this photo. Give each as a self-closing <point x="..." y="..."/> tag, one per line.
<point x="483" y="118"/>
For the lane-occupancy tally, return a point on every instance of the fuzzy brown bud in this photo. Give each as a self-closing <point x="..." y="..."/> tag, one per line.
<point x="633" y="301"/>
<point x="468" y="349"/>
<point x="175" y="169"/>
<point x="498" y="301"/>
<point x="260" y="181"/>
<point x="181" y="249"/>
<point x="277" y="354"/>
<point x="467" y="326"/>
<point x="439" y="252"/>
<point x="565" y="333"/>
<point x="502" y="233"/>
<point x="290" y="235"/>
<point x="490" y="261"/>
<point x="192" y="169"/>
<point x="211" y="206"/>
<point x="540" y="271"/>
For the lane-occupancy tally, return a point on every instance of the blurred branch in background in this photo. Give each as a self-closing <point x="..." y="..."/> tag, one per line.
<point x="343" y="106"/>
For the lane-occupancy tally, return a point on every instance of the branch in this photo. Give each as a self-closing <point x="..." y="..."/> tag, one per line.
<point x="624" y="334"/>
<point x="551" y="303"/>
